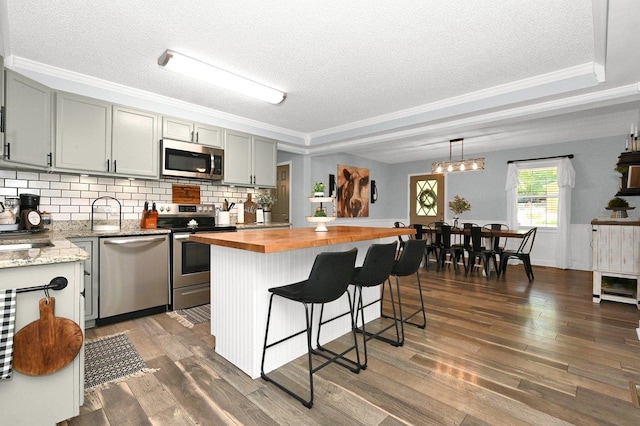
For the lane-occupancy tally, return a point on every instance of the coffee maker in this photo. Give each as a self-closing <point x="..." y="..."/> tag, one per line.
<point x="30" y="217"/>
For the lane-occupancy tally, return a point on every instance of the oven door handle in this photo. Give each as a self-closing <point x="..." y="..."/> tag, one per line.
<point x="181" y="237"/>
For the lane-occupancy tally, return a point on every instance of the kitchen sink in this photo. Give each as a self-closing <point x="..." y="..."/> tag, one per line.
<point x="25" y="246"/>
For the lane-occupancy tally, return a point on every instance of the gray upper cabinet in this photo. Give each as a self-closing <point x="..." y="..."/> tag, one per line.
<point x="265" y="157"/>
<point x="249" y="160"/>
<point x="83" y="134"/>
<point x="27" y="122"/>
<point x="237" y="158"/>
<point x="188" y="131"/>
<point x="135" y="145"/>
<point x="97" y="137"/>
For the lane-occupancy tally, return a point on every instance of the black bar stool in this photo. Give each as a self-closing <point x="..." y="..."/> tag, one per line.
<point x="375" y="270"/>
<point x="328" y="281"/>
<point x="407" y="264"/>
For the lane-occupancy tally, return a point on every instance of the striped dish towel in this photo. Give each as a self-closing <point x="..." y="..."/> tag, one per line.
<point x="7" y="326"/>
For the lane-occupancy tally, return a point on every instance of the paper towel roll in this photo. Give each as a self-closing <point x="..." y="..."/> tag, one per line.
<point x="240" y="208"/>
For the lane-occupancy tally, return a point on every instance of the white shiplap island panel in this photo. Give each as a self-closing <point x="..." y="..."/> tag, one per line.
<point x="240" y="279"/>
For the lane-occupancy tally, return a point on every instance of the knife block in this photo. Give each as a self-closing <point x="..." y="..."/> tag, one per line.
<point x="149" y="219"/>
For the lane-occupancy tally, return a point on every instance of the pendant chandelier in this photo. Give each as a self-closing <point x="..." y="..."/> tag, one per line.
<point x="461" y="165"/>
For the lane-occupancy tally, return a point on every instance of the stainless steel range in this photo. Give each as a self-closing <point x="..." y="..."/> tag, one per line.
<point x="190" y="261"/>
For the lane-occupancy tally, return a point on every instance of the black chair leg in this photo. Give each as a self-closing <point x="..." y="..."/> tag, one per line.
<point x="527" y="267"/>
<point x="310" y="352"/>
<point x="338" y="358"/>
<point x="424" y="315"/>
<point x="397" y="320"/>
<point x="307" y="403"/>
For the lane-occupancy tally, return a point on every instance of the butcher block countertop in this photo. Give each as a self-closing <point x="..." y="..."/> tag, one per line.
<point x="276" y="240"/>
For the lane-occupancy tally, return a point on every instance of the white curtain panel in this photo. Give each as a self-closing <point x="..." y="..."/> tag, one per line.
<point x="566" y="181"/>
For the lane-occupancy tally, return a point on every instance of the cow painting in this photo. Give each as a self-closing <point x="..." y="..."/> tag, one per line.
<point x="353" y="191"/>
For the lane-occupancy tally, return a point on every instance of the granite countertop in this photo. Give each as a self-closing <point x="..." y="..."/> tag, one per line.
<point x="62" y="250"/>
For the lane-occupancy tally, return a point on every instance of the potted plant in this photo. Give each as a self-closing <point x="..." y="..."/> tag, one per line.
<point x="458" y="206"/>
<point x="618" y="207"/>
<point x="320" y="212"/>
<point x="318" y="189"/>
<point x="266" y="200"/>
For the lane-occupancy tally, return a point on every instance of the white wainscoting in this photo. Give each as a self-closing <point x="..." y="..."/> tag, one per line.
<point x="240" y="300"/>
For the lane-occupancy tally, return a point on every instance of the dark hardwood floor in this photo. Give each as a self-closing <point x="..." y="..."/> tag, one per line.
<point x="500" y="352"/>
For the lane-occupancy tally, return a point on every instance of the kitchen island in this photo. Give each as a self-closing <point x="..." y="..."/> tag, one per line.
<point x="244" y="265"/>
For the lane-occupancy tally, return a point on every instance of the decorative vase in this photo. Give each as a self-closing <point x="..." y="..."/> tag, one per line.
<point x="455" y="221"/>
<point x="318" y="194"/>
<point x="267" y="216"/>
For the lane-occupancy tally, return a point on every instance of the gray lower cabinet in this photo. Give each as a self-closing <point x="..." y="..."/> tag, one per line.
<point x="91" y="281"/>
<point x="55" y="397"/>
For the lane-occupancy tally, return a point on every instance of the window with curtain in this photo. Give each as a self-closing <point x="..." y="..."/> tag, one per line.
<point x="537" y="202"/>
<point x="539" y="194"/>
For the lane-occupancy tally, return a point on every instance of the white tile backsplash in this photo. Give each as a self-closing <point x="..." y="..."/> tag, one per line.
<point x="69" y="197"/>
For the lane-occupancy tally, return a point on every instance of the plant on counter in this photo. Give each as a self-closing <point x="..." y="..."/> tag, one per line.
<point x="266" y="200"/>
<point x="318" y="188"/>
<point x="320" y="212"/>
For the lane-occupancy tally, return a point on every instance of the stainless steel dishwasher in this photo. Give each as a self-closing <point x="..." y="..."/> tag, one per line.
<point x="134" y="276"/>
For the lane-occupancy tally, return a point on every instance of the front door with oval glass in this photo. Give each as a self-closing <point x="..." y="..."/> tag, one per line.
<point x="426" y="199"/>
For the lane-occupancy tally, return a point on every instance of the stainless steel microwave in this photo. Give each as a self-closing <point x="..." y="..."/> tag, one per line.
<point x="192" y="160"/>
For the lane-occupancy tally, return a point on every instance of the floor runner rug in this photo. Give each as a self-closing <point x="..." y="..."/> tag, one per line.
<point x="191" y="316"/>
<point x="111" y="359"/>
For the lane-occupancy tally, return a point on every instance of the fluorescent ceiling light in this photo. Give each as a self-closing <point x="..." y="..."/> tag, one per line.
<point x="208" y="73"/>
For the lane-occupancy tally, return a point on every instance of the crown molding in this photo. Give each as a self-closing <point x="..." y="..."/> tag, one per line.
<point x="18" y="63"/>
<point x="557" y="82"/>
<point x="578" y="102"/>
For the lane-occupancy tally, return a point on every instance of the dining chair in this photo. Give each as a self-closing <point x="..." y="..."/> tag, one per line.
<point x="464" y="243"/>
<point x="329" y="278"/>
<point x="478" y="251"/>
<point x="497" y="243"/>
<point x="523" y="253"/>
<point x="447" y="248"/>
<point x="400" y="239"/>
<point x="434" y="243"/>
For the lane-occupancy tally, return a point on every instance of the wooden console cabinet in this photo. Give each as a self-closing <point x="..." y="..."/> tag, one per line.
<point x="616" y="260"/>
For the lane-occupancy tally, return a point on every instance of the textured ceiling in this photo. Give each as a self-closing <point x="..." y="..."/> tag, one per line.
<point x="353" y="70"/>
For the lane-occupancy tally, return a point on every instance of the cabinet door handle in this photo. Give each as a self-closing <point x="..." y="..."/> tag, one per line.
<point x="115" y="167"/>
<point x="197" y="136"/>
<point x="107" y="165"/>
<point x="50" y="159"/>
<point x="7" y="151"/>
<point x="2" y="119"/>
<point x="192" y="135"/>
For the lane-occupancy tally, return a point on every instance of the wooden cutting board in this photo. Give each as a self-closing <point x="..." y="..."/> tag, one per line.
<point x="250" y="210"/>
<point x="185" y="194"/>
<point x="48" y="344"/>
